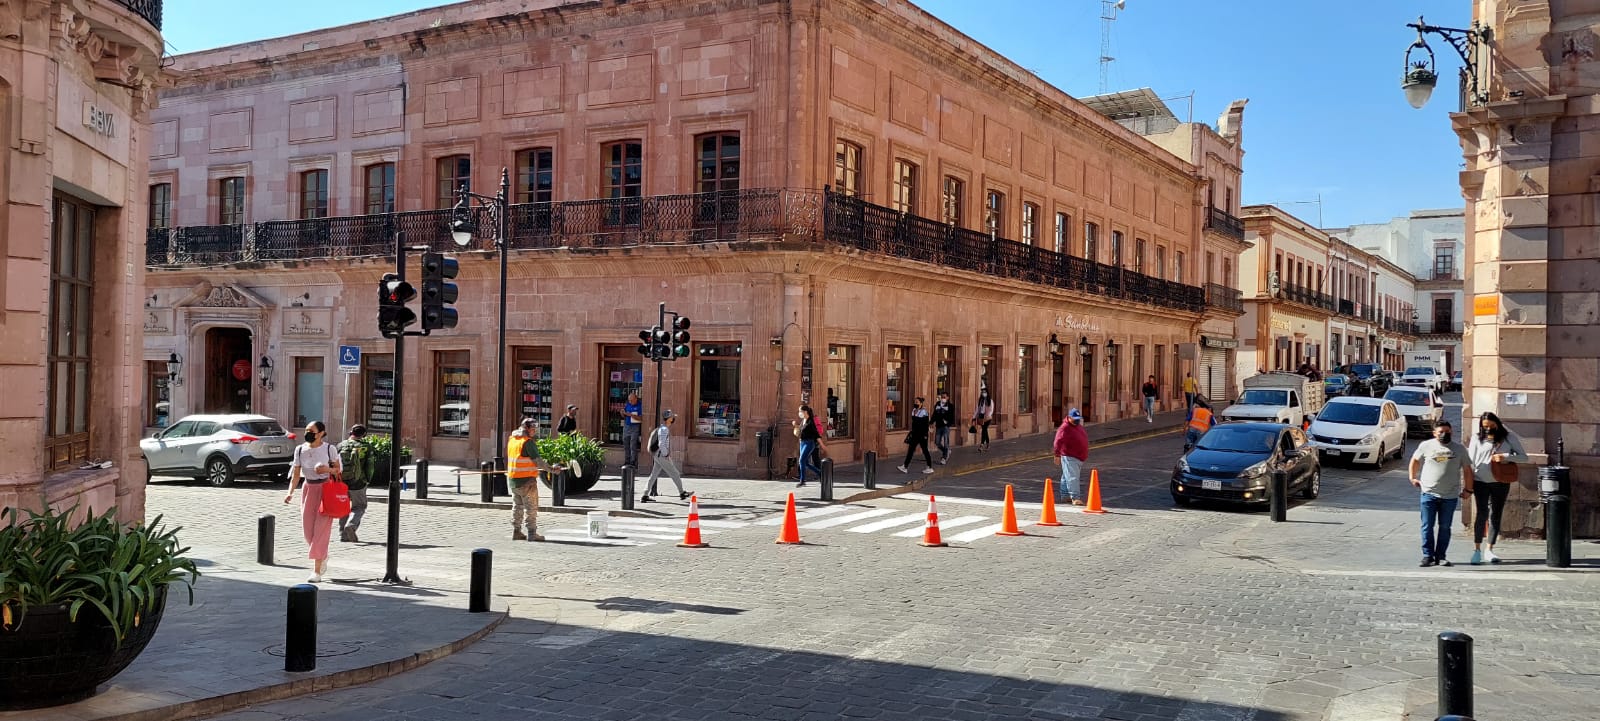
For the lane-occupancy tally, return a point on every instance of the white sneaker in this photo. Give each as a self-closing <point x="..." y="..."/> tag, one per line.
<point x="926" y="471"/>
<point x="944" y="461"/>
<point x="902" y="469"/>
<point x="1490" y="557"/>
<point x="314" y="578"/>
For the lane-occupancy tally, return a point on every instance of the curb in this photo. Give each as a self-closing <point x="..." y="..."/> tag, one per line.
<point x="504" y="506"/>
<point x="301" y="686"/>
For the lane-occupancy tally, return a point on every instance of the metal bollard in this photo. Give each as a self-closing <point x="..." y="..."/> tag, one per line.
<point x="1555" y="489"/>
<point x="558" y="488"/>
<point x="486" y="481"/>
<point x="826" y="482"/>
<point x="422" y="478"/>
<point x="1280" y="496"/>
<point x="266" y="538"/>
<point x="478" y="600"/>
<point x="627" y="488"/>
<point x="1455" y="673"/>
<point x="869" y="470"/>
<point x="1453" y="717"/>
<point x="300" y="632"/>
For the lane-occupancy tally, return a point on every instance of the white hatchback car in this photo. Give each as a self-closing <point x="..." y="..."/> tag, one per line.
<point x="1358" y="429"/>
<point x="1421" y="408"/>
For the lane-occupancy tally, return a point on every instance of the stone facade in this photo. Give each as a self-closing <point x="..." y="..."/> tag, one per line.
<point x="75" y="85"/>
<point x="1427" y="244"/>
<point x="952" y="148"/>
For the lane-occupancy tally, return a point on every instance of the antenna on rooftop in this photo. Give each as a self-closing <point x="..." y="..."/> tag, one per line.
<point x="1108" y="13"/>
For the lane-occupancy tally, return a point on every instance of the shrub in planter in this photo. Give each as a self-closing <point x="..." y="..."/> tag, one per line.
<point x="568" y="446"/>
<point x="78" y="604"/>
<point x="382" y="446"/>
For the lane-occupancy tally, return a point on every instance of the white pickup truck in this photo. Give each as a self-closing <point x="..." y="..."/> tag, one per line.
<point x="1276" y="397"/>
<point x="1425" y="368"/>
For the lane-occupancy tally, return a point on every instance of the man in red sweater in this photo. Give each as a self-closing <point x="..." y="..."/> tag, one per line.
<point x="1072" y="450"/>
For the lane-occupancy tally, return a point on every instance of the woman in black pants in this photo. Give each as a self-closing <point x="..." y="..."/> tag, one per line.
<point x="982" y="417"/>
<point x="1492" y="446"/>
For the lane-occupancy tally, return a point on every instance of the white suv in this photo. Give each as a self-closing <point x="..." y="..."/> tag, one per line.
<point x="217" y="448"/>
<point x="1433" y="378"/>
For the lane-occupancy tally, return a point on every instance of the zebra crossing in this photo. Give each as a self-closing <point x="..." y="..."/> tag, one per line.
<point x="864" y="520"/>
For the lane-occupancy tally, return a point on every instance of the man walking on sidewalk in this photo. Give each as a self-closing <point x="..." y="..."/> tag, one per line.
<point x="632" y="413"/>
<point x="1439" y="468"/>
<point x="356" y="458"/>
<point x="944" y="416"/>
<point x="1150" y="392"/>
<point x="661" y="453"/>
<point x="522" y="475"/>
<point x="1072" y="450"/>
<point x="1190" y="390"/>
<point x="918" y="438"/>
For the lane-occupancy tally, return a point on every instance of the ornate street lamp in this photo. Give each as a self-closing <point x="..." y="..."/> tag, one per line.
<point x="1055" y="346"/>
<point x="1421" y="75"/>
<point x="462" y="229"/>
<point x="264" y="373"/>
<point x="1083" y="346"/>
<point x="174" y="364"/>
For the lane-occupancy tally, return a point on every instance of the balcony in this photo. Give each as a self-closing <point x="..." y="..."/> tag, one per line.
<point x="1400" y="327"/>
<point x="1221" y="221"/>
<point x="1442" y="326"/>
<point x="747" y="216"/>
<point x="1351" y="309"/>
<point x="150" y="10"/>
<point x="1224" y="298"/>
<point x="1308" y="297"/>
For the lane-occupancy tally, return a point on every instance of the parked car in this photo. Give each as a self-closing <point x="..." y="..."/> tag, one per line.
<point x="1455" y="381"/>
<point x="1335" y="385"/>
<point x="1360" y="430"/>
<point x="1233" y="462"/>
<point x="1379" y="383"/>
<point x="1421" y="407"/>
<point x="1361" y="378"/>
<point x="220" y="448"/>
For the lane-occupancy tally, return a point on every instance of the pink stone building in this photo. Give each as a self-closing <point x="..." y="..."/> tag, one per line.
<point x="854" y="203"/>
<point x="75" y="86"/>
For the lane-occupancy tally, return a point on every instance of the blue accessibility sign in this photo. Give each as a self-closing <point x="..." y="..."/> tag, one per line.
<point x="349" y="359"/>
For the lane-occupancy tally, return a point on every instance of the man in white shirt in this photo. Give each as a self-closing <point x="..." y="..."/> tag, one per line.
<point x="1439" y="468"/>
<point x="662" y="456"/>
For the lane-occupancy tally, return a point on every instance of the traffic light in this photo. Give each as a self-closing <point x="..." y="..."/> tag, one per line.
<point x="393" y="315"/>
<point x="645" y="349"/>
<point x="437" y="292"/>
<point x="680" y="337"/>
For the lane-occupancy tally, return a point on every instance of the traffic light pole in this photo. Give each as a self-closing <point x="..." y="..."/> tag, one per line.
<point x="660" y="323"/>
<point x="391" y="572"/>
<point x="501" y="210"/>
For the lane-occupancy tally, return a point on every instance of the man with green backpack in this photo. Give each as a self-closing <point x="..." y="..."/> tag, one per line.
<point x="356" y="458"/>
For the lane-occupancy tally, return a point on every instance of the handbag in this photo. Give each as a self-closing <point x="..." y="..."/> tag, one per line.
<point x="1503" y="472"/>
<point x="973" y="429"/>
<point x="335" y="498"/>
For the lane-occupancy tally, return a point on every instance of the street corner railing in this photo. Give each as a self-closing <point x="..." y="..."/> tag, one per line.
<point x="1225" y="223"/>
<point x="150" y="10"/>
<point x="1225" y="298"/>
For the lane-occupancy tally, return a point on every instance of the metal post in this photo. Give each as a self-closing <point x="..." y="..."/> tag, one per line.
<point x="627" y="488"/>
<point x="266" y="537"/>
<point x="391" y="573"/>
<point x="501" y="239"/>
<point x="869" y="470"/>
<point x="1455" y="673"/>
<point x="422" y="478"/>
<point x="486" y="481"/>
<point x="300" y="630"/>
<point x="661" y="322"/>
<point x="827" y="478"/>
<point x="1555" y="489"/>
<point x="478" y="600"/>
<point x="558" y="487"/>
<point x="1280" y="496"/>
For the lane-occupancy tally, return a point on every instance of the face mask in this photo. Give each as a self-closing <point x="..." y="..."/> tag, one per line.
<point x="1444" y="438"/>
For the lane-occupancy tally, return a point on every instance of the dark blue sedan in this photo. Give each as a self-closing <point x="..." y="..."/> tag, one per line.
<point x="1234" y="462"/>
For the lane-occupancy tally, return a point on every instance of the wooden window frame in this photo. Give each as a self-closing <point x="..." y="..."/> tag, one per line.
<point x="385" y="188"/>
<point x="1030" y="223"/>
<point x="535" y="177"/>
<point x="313" y="193"/>
<point x="847" y="175"/>
<point x="903" y="180"/>
<point x="953" y="196"/>
<point x="160" y="205"/>
<point x="231" y="200"/>
<point x="69" y="367"/>
<point x="448" y="177"/>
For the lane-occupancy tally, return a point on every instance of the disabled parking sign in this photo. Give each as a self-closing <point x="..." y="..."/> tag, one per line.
<point x="349" y="359"/>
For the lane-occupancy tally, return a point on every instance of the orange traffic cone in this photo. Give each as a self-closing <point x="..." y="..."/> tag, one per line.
<point x="1094" y="493"/>
<point x="1008" y="520"/>
<point x="691" y="534"/>
<point x="1048" y="517"/>
<point x="930" y="532"/>
<point x="790" y="532"/>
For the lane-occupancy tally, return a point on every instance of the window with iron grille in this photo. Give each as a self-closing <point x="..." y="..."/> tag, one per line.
<point x="379" y="189"/>
<point x="536" y="169"/>
<point x="230" y="201"/>
<point x="847" y="168"/>
<point x="452" y="171"/>
<point x="955" y="194"/>
<point x="313" y="194"/>
<point x="161" y="205"/>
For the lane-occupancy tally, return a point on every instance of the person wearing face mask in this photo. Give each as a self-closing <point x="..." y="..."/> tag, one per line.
<point x="1439" y="469"/>
<point x="316" y="460"/>
<point x="1493" y="453"/>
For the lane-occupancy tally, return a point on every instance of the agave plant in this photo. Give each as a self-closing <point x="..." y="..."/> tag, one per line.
<point x="117" y="571"/>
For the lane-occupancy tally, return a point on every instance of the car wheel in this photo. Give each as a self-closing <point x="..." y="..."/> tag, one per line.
<point x="147" y="474"/>
<point x="1313" y="485"/>
<point x="1184" y="501"/>
<point x="219" y="472"/>
<point x="1383" y="455"/>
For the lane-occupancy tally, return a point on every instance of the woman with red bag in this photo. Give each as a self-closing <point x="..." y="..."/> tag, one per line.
<point x="315" y="462"/>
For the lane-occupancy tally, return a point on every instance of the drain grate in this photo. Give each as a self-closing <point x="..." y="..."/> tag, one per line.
<point x="324" y="650"/>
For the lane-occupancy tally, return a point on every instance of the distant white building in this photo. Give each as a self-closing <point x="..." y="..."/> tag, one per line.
<point x="1428" y="244"/>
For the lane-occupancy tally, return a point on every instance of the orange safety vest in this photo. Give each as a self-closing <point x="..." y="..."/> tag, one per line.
<point x="517" y="465"/>
<point x="1201" y="421"/>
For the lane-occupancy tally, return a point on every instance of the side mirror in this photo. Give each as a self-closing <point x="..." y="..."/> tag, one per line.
<point x="1291" y="454"/>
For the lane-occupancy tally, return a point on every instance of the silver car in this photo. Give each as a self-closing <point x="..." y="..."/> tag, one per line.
<point x="219" y="448"/>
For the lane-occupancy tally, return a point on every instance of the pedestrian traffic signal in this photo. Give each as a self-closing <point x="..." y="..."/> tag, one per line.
<point x="437" y="292"/>
<point x="680" y="337"/>
<point x="393" y="315"/>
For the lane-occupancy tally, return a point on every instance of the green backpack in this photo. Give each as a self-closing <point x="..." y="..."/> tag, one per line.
<point x="355" y="458"/>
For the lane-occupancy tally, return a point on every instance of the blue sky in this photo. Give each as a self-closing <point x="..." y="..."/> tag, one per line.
<point x="1326" y="115"/>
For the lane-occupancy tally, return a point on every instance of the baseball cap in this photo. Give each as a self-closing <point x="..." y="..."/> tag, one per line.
<point x="529" y="423"/>
<point x="572" y="406"/>
<point x="1075" y="414"/>
<point x="668" y="414"/>
<point x="358" y="430"/>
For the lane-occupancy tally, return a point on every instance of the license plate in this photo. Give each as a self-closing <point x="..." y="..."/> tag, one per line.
<point x="274" y="449"/>
<point x="1211" y="485"/>
<point x="1332" y="452"/>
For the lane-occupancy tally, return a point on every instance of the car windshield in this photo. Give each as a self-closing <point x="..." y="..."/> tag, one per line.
<point x="1419" y="371"/>
<point x="1407" y="398"/>
<point x="1336" y="381"/>
<point x="263" y="427"/>
<point x="1260" y="397"/>
<point x="1238" y="440"/>
<point x="1364" y="370"/>
<point x="1355" y="414"/>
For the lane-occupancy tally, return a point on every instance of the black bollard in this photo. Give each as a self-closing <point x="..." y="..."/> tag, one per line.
<point x="627" y="488"/>
<point x="486" y="481"/>
<point x="558" y="488"/>
<point x="1280" y="496"/>
<point x="826" y="482"/>
<point x="869" y="470"/>
<point x="478" y="601"/>
<point x="422" y="478"/>
<point x="266" y="538"/>
<point x="300" y="633"/>
<point x="1455" y="673"/>
<point x="1453" y="717"/>
<point x="1555" y="489"/>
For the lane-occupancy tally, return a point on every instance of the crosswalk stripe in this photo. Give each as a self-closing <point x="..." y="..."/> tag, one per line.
<point x="852" y="518"/>
<point x="654" y="528"/>
<point x="890" y="523"/>
<point x="582" y="536"/>
<point x="973" y="535"/>
<point x="953" y="501"/>
<point x="677" y="522"/>
<point x="944" y="524"/>
<point x="803" y="515"/>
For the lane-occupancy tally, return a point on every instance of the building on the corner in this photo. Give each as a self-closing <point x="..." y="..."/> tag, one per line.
<point x="854" y="204"/>
<point x="76" y="80"/>
<point x="1428" y="245"/>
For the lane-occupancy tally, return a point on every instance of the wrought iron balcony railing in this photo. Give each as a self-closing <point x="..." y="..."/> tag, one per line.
<point x="1307" y="296"/>
<point x="1442" y="326"/>
<point x="1400" y="327"/>
<point x="758" y="215"/>
<point x="1225" y="223"/>
<point x="150" y="10"/>
<point x="1221" y="296"/>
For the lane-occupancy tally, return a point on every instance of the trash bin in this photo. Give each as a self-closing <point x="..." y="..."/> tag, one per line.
<point x="599" y="524"/>
<point x="764" y="444"/>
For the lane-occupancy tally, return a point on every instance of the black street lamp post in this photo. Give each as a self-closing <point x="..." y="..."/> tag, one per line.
<point x="461" y="231"/>
<point x="1422" y="75"/>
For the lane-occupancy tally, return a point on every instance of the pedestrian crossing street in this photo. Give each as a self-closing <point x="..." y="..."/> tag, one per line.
<point x="955" y="527"/>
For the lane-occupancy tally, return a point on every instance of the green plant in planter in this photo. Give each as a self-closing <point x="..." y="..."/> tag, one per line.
<point x="120" y="572"/>
<point x="568" y="446"/>
<point x="382" y="446"/>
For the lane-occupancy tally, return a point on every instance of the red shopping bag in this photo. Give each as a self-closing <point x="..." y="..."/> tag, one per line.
<point x="335" y="498"/>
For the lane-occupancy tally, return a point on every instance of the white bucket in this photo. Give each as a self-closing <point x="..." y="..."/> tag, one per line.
<point x="599" y="524"/>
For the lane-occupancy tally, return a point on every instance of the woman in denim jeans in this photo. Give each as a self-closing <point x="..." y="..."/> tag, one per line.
<point x="805" y="428"/>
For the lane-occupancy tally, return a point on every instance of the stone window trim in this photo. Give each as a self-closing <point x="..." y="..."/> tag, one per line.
<point x="995" y="218"/>
<point x="862" y="140"/>
<point x="69" y="369"/>
<point x="361" y="160"/>
<point x="448" y="178"/>
<point x="160" y="205"/>
<point x="593" y="160"/>
<point x="431" y="155"/>
<point x="616" y="154"/>
<point x="1092" y="238"/>
<point x="905" y="181"/>
<point x="1117" y="247"/>
<point x="720" y="179"/>
<point x="215" y="174"/>
<point x="385" y="202"/>
<point x="528" y="165"/>
<point x="690" y="130"/>
<point x="1062" y="238"/>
